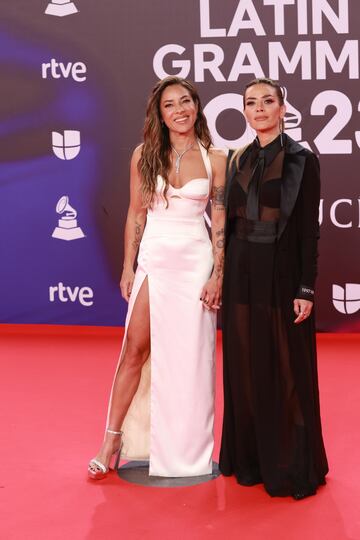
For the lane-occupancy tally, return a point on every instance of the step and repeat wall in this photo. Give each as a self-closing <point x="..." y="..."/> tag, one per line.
<point x="75" y="77"/>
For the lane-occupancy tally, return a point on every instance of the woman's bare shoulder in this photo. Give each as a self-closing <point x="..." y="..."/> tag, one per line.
<point x="136" y="155"/>
<point x="217" y="156"/>
<point x="218" y="152"/>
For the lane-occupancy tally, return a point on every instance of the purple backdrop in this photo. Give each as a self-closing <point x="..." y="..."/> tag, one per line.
<point x="74" y="86"/>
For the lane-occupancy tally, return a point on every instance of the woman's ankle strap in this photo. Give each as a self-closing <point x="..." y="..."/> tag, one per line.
<point x="114" y="432"/>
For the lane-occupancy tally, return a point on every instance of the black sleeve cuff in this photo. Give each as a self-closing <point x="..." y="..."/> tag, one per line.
<point x="305" y="293"/>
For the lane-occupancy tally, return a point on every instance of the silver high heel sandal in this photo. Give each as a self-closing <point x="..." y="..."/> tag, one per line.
<point x="96" y="469"/>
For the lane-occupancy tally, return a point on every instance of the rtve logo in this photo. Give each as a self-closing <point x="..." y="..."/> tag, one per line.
<point x="64" y="293"/>
<point x="347" y="300"/>
<point x="56" y="70"/>
<point x="66" y="146"/>
<point x="61" y="8"/>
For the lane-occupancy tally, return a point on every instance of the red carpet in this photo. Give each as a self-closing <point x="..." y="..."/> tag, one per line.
<point x="54" y="389"/>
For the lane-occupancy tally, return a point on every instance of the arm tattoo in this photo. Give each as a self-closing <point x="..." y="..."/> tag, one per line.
<point x="218" y="197"/>
<point x="220" y="238"/>
<point x="219" y="242"/>
<point x="219" y="267"/>
<point x="138" y="235"/>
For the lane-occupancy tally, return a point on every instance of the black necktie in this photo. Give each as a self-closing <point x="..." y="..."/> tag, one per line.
<point x="252" y="204"/>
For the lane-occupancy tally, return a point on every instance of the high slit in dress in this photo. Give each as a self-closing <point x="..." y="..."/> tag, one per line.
<point x="170" y="419"/>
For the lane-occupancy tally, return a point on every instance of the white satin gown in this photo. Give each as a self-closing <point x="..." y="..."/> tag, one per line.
<point x="170" y="420"/>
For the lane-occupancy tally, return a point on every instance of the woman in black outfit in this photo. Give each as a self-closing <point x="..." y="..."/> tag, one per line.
<point x="272" y="427"/>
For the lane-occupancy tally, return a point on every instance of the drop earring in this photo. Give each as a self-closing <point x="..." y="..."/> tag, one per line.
<point x="281" y="126"/>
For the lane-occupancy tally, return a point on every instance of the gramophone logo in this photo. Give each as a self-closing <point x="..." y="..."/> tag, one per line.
<point x="67" y="228"/>
<point x="66" y="146"/>
<point x="292" y="121"/>
<point x="61" y="8"/>
<point x="347" y="299"/>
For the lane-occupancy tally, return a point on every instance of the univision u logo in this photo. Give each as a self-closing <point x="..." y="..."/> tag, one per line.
<point x="347" y="299"/>
<point x="66" y="146"/>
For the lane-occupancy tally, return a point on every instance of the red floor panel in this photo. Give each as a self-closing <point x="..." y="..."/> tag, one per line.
<point x="54" y="389"/>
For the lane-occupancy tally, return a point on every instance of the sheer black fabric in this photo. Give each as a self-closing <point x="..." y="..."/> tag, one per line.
<point x="272" y="428"/>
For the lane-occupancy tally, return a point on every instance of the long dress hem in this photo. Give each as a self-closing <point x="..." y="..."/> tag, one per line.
<point x="170" y="419"/>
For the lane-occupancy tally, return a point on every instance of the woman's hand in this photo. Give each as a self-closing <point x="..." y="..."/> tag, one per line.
<point x="126" y="283"/>
<point x="302" y="309"/>
<point x="211" y="293"/>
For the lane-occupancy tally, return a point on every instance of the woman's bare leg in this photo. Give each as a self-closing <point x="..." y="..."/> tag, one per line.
<point x="128" y="376"/>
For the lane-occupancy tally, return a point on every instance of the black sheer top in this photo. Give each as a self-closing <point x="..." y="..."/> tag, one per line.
<point x="256" y="188"/>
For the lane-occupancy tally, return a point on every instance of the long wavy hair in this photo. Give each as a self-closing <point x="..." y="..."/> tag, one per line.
<point x="156" y="149"/>
<point x="279" y="94"/>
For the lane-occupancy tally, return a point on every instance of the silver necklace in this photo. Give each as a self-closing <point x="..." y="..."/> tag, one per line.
<point x="179" y="156"/>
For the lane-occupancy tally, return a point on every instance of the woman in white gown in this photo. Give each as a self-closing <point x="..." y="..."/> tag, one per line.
<point x="162" y="401"/>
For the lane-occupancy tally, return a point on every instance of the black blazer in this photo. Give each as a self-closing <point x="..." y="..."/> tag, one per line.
<point x="298" y="228"/>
